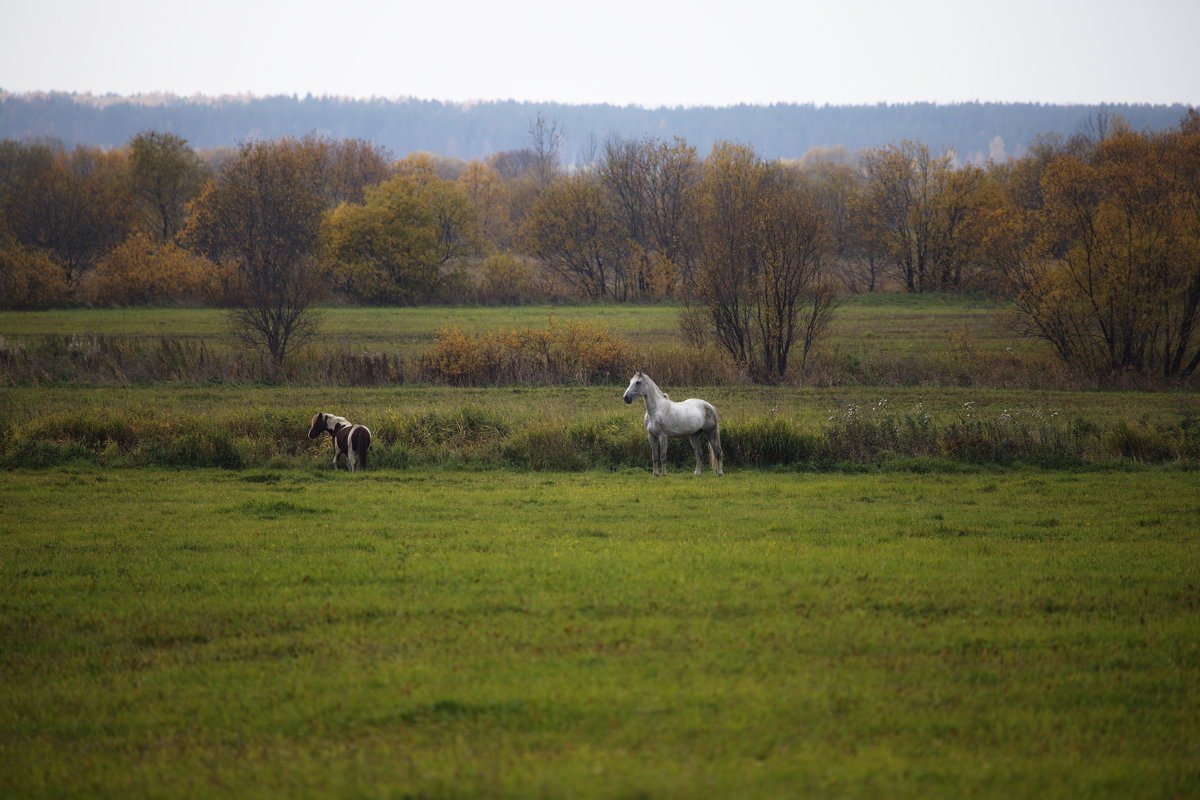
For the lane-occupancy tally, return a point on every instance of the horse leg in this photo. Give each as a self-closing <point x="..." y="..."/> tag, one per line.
<point x="698" y="449"/>
<point x="662" y="454"/>
<point x="653" y="453"/>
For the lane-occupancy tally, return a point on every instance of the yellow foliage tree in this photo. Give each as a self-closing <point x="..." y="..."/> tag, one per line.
<point x="491" y="198"/>
<point x="1107" y="268"/>
<point x="141" y="271"/>
<point x="30" y="278"/>
<point x="397" y="245"/>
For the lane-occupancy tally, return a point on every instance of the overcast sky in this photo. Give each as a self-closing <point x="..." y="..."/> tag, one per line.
<point x="644" y="52"/>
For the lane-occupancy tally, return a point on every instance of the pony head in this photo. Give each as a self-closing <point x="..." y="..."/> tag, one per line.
<point x="325" y="423"/>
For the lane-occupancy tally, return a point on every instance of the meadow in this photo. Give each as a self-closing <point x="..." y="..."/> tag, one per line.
<point x="260" y="633"/>
<point x="892" y="340"/>
<point x="929" y="573"/>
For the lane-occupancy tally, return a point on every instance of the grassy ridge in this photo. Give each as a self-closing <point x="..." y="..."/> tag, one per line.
<point x="598" y="635"/>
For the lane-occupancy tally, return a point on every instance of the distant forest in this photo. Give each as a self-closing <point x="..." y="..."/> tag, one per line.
<point x="976" y="132"/>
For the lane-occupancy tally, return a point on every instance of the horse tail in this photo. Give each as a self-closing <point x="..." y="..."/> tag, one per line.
<point x="714" y="449"/>
<point x="715" y="454"/>
<point x="361" y="442"/>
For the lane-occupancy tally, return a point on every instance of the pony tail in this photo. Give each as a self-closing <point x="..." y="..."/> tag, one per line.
<point x="362" y="446"/>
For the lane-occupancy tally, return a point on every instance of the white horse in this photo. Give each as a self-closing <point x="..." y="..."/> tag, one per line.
<point x="695" y="419"/>
<point x="349" y="439"/>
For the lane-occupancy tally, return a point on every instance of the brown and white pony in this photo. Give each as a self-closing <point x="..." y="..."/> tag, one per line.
<point x="349" y="439"/>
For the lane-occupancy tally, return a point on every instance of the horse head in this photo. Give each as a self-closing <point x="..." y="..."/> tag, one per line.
<point x="318" y="426"/>
<point x="637" y="387"/>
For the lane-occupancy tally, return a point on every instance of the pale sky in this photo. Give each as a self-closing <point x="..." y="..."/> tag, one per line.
<point x="642" y="52"/>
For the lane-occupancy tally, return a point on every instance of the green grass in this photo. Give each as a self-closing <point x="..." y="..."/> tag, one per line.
<point x="894" y="322"/>
<point x="912" y="323"/>
<point x="881" y="339"/>
<point x="375" y="329"/>
<point x="454" y="634"/>
<point x="448" y="626"/>
<point x="806" y="406"/>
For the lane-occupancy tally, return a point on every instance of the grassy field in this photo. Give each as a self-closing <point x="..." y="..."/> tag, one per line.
<point x="881" y="340"/>
<point x="447" y="634"/>
<point x="374" y="329"/>
<point x="807" y="406"/>
<point x="894" y="323"/>
<point x="896" y="604"/>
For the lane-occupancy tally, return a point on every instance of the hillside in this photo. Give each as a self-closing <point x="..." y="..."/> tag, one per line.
<point x="976" y="131"/>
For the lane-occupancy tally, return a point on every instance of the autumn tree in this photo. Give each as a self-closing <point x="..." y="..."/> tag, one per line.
<point x="545" y="142"/>
<point x="399" y="244"/>
<point x="649" y="182"/>
<point x="1107" y="268"/>
<point x="166" y="175"/>
<point x="762" y="265"/>
<point x="262" y="216"/>
<point x="346" y="167"/>
<point x="573" y="230"/>
<point x="922" y="213"/>
<point x="486" y="189"/>
<point x="511" y="164"/>
<point x="74" y="205"/>
<point x="856" y="252"/>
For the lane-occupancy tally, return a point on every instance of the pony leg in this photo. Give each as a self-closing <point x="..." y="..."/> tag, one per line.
<point x="698" y="449"/>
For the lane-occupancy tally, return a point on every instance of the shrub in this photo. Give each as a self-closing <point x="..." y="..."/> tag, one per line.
<point x="142" y="272"/>
<point x="1137" y="442"/>
<point x="197" y="443"/>
<point x="769" y="442"/>
<point x="572" y="353"/>
<point x="503" y="278"/>
<point x="30" y="279"/>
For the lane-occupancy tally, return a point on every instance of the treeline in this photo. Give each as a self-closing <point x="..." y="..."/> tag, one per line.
<point x="1094" y="238"/>
<point x="976" y="132"/>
